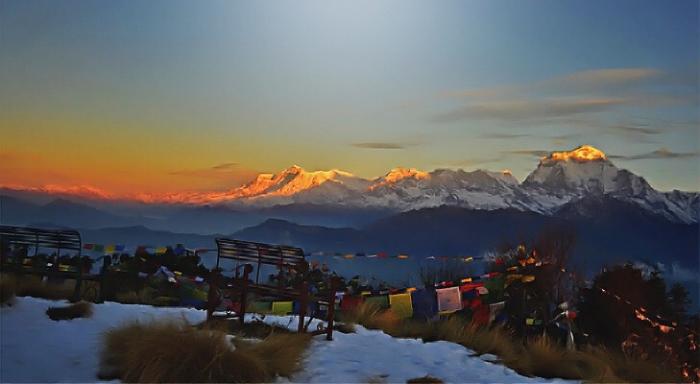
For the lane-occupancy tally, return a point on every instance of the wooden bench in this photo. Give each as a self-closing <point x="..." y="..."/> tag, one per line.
<point x="251" y="256"/>
<point x="15" y="243"/>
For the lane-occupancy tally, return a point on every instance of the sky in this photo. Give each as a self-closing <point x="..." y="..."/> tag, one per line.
<point x="169" y="96"/>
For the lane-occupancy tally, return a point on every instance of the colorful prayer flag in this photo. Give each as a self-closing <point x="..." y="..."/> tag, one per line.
<point x="98" y="248"/>
<point x="88" y="246"/>
<point x="449" y="299"/>
<point x="109" y="248"/>
<point x="119" y="248"/>
<point x="400" y="305"/>
<point x="381" y="301"/>
<point x="424" y="304"/>
<point x="282" y="307"/>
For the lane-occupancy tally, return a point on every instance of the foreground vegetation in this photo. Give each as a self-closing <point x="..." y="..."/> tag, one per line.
<point x="178" y="352"/>
<point x="532" y="357"/>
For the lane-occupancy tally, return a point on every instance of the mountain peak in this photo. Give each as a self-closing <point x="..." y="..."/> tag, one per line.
<point x="581" y="154"/>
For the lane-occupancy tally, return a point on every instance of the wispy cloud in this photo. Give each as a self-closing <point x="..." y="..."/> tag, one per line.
<point x="660" y="154"/>
<point x="505" y="136"/>
<point x="583" y="93"/>
<point x="516" y="110"/>
<point x="594" y="80"/>
<point x="379" y="145"/>
<point x="219" y="171"/>
<point x="528" y="152"/>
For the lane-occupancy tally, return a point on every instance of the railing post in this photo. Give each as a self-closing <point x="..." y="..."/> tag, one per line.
<point x="213" y="294"/>
<point x="247" y="268"/>
<point x="331" y="308"/>
<point x="106" y="263"/>
<point x="303" y="304"/>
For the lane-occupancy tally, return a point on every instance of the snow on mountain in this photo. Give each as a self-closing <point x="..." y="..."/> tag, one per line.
<point x="559" y="178"/>
<point x="587" y="171"/>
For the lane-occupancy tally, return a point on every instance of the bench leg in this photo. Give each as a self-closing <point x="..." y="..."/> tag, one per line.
<point x="303" y="304"/>
<point x="331" y="312"/>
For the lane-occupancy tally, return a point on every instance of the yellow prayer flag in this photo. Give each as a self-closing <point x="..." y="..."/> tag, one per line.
<point x="109" y="248"/>
<point x="161" y="250"/>
<point x="281" y="307"/>
<point x="401" y="305"/>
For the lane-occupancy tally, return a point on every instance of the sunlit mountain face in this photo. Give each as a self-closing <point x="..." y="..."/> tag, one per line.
<point x="559" y="178"/>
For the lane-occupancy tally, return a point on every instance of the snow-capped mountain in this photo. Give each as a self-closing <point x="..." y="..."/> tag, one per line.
<point x="559" y="178"/>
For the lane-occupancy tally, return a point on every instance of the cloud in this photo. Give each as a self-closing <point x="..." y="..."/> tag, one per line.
<point x="576" y="94"/>
<point x="593" y="80"/>
<point x="378" y="145"/>
<point x="505" y="135"/>
<point x="529" y="152"/>
<point x="660" y="154"/>
<point x="604" y="79"/>
<point x="516" y="110"/>
<point x="219" y="171"/>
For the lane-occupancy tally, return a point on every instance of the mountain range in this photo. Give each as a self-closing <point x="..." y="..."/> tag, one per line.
<point x="559" y="178"/>
<point x="338" y="198"/>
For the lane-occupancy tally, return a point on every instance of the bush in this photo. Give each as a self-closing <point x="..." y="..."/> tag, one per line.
<point x="424" y="380"/>
<point x="178" y="352"/>
<point x="540" y="357"/>
<point x="73" y="311"/>
<point x="7" y="290"/>
<point x="33" y="286"/>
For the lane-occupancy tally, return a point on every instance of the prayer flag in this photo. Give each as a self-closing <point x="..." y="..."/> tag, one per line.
<point x="109" y="248"/>
<point x="161" y="250"/>
<point x="258" y="306"/>
<point x="402" y="257"/>
<point x="424" y="304"/>
<point x="482" y="290"/>
<point x="401" y="305"/>
<point x="379" y="301"/>
<point x="88" y="246"/>
<point x="495" y="310"/>
<point x="350" y="302"/>
<point x="449" y="299"/>
<point x="98" y="248"/>
<point x="119" y="248"/>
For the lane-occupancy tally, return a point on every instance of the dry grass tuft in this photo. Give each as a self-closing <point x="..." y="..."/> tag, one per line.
<point x="33" y="286"/>
<point x="540" y="357"/>
<point x="7" y="290"/>
<point x="280" y="353"/>
<point x="424" y="380"/>
<point x="70" y="312"/>
<point x="178" y="352"/>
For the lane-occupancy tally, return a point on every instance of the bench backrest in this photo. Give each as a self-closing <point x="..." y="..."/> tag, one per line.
<point x="60" y="239"/>
<point x="258" y="253"/>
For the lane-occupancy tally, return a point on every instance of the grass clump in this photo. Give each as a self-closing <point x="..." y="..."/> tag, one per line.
<point x="538" y="357"/>
<point x="7" y="290"/>
<point x="177" y="352"/>
<point x="29" y="285"/>
<point x="77" y="310"/>
<point x="424" y="380"/>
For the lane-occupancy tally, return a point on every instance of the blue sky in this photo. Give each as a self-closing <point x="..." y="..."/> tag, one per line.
<point x="159" y="90"/>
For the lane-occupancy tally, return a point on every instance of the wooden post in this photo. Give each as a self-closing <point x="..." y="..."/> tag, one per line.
<point x="303" y="304"/>
<point x="213" y="293"/>
<point x="331" y="308"/>
<point x="106" y="262"/>
<point x="247" y="269"/>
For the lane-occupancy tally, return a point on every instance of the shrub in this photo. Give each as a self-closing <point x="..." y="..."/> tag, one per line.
<point x="33" y="286"/>
<point x="73" y="311"/>
<point x="178" y="352"/>
<point x="7" y="290"/>
<point x="424" y="380"/>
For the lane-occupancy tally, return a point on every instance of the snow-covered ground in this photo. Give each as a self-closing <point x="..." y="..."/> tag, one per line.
<point x="34" y="348"/>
